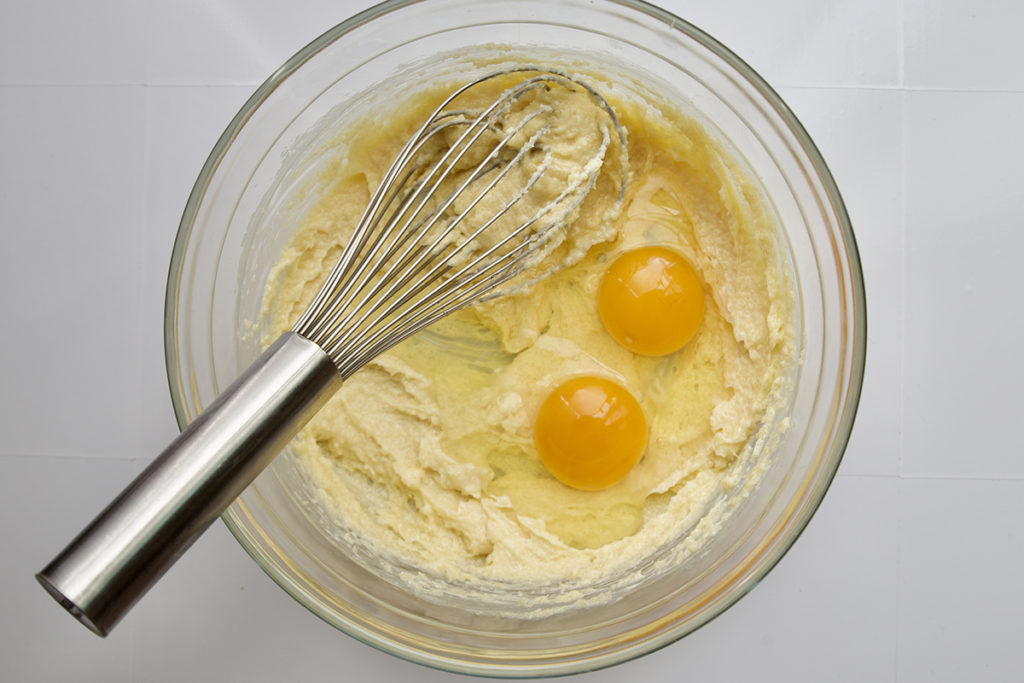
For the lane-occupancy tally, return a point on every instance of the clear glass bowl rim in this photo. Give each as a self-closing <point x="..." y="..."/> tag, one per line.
<point x="858" y="337"/>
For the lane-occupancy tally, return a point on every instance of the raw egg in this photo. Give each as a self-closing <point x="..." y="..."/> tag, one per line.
<point x="651" y="301"/>
<point x="590" y="432"/>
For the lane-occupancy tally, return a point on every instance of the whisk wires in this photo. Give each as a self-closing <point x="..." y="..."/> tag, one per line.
<point x="404" y="266"/>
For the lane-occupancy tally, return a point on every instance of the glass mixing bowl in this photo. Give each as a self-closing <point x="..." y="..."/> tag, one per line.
<point x="227" y="243"/>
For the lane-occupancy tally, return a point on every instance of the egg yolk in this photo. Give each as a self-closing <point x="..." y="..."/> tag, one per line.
<point x="590" y="432"/>
<point x="651" y="301"/>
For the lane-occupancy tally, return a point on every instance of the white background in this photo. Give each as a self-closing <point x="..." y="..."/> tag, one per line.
<point x="912" y="569"/>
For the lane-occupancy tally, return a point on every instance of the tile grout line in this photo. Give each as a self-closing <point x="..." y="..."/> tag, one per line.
<point x="903" y="89"/>
<point x="901" y="57"/>
<point x="901" y="43"/>
<point x="147" y="52"/>
<point x="935" y="477"/>
<point x="81" y="457"/>
<point x="147" y="133"/>
<point x="133" y="84"/>
<point x="959" y="477"/>
<point x="894" y="87"/>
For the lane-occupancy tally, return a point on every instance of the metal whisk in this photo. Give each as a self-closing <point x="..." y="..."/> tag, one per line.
<point x="426" y="246"/>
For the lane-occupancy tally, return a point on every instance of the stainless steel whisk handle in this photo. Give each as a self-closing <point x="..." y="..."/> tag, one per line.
<point x="128" y="547"/>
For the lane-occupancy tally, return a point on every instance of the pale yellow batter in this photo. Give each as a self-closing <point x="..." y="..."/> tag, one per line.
<point x="426" y="455"/>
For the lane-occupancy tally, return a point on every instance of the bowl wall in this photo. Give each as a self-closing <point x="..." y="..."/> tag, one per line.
<point x="252" y="193"/>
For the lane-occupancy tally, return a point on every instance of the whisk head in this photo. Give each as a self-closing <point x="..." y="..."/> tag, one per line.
<point x="472" y="200"/>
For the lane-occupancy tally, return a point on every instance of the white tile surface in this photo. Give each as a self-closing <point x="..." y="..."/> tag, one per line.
<point x="909" y="571"/>
<point x="806" y="42"/>
<point x="234" y="41"/>
<point x="826" y="612"/>
<point x="964" y="247"/>
<point x="792" y="42"/>
<point x="960" y="580"/>
<point x="964" y="44"/>
<point x="182" y="125"/>
<point x="43" y="503"/>
<point x="217" y="617"/>
<point x="859" y="133"/>
<point x="72" y="222"/>
<point x="62" y="42"/>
